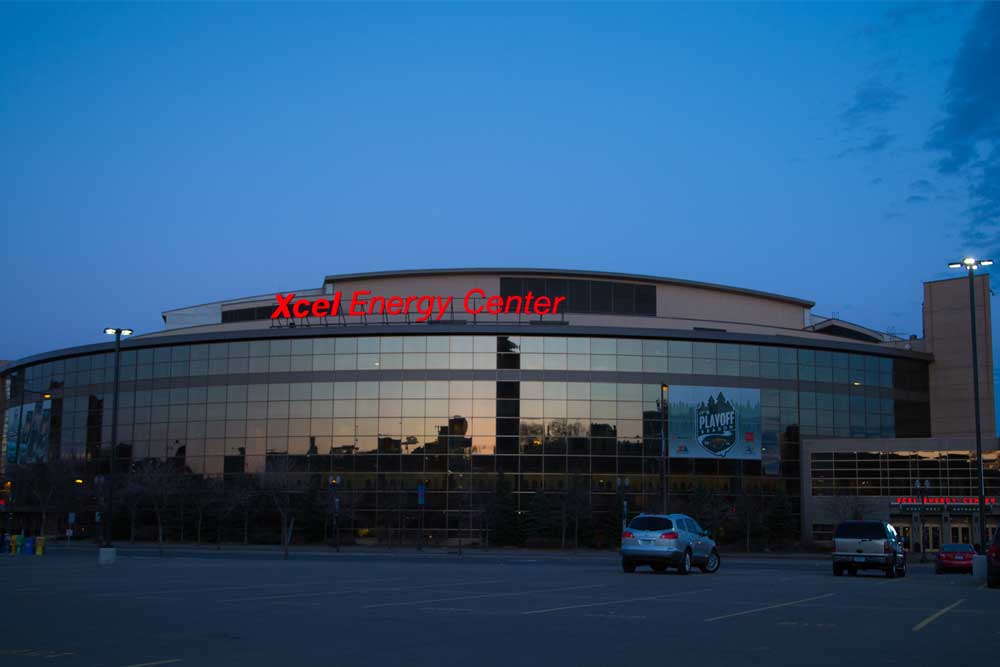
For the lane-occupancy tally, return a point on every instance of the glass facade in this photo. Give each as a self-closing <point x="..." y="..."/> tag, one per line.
<point x="452" y="412"/>
<point x="880" y="473"/>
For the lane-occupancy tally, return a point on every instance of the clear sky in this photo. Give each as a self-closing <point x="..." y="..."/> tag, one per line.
<point x="160" y="155"/>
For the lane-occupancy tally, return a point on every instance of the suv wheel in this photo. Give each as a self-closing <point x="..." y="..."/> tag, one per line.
<point x="685" y="566"/>
<point x="628" y="566"/>
<point x="712" y="564"/>
<point x="901" y="570"/>
<point x="890" y="571"/>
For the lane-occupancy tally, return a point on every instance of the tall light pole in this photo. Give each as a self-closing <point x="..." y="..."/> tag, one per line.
<point x="663" y="447"/>
<point x="970" y="264"/>
<point x="117" y="333"/>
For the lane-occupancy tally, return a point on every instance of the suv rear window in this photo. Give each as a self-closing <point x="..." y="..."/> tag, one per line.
<point x="861" y="530"/>
<point x="651" y="523"/>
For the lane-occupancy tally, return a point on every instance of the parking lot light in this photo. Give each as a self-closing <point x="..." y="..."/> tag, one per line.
<point x="971" y="264"/>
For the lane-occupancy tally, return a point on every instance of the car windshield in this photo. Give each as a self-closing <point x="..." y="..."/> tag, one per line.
<point x="651" y="523"/>
<point x="861" y="530"/>
<point x="957" y="547"/>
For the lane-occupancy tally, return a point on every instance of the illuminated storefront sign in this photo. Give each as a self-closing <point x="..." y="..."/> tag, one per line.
<point x="940" y="503"/>
<point x="425" y="307"/>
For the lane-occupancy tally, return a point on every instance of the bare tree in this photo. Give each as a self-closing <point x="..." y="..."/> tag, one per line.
<point x="280" y="483"/>
<point x="577" y="504"/>
<point x="206" y="494"/>
<point x="226" y="500"/>
<point x="50" y="482"/>
<point x="132" y="495"/>
<point x="158" y="480"/>
<point x="244" y="493"/>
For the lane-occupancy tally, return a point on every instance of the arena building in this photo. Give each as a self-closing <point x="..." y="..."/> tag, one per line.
<point x="436" y="399"/>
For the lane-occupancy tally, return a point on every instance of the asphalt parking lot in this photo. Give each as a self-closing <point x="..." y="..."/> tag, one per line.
<point x="481" y="609"/>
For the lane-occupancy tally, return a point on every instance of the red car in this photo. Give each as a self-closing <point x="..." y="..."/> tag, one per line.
<point x="954" y="558"/>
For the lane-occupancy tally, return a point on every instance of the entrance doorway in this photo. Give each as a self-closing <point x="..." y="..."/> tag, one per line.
<point x="902" y="525"/>
<point x="932" y="534"/>
<point x="961" y="531"/>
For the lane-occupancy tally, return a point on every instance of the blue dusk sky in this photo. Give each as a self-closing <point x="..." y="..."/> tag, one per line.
<point x="162" y="155"/>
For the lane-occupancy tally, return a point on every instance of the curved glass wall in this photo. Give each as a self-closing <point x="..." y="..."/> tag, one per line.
<point x="452" y="412"/>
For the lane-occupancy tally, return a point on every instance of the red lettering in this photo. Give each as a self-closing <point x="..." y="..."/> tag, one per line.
<point x="542" y="305"/>
<point x="409" y="303"/>
<point x="494" y="305"/>
<point x="301" y="308"/>
<point x="478" y="293"/>
<point x="527" y="302"/>
<point x="320" y="308"/>
<point x="443" y="305"/>
<point x="425" y="306"/>
<point x="394" y="305"/>
<point x="556" y="303"/>
<point x="355" y="301"/>
<point x="281" y="310"/>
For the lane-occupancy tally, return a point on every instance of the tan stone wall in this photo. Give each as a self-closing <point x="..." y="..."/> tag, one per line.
<point x="947" y="335"/>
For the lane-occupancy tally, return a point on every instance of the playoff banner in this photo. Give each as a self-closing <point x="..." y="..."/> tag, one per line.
<point x="714" y="422"/>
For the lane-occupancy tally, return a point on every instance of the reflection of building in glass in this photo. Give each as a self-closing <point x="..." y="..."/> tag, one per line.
<point x="551" y="403"/>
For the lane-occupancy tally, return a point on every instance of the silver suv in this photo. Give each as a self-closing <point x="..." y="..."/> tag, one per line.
<point x="868" y="545"/>
<point x="662" y="540"/>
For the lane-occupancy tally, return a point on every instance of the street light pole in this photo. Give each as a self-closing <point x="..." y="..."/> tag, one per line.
<point x="663" y="448"/>
<point x="971" y="264"/>
<point x="109" y="556"/>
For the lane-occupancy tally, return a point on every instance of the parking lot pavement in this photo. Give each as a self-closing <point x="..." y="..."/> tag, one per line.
<point x="499" y="610"/>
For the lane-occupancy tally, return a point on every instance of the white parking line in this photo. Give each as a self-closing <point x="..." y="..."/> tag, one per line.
<point x="936" y="615"/>
<point x="607" y="602"/>
<point x="358" y="590"/>
<point x="215" y="589"/>
<point x="773" y="606"/>
<point x="484" y="595"/>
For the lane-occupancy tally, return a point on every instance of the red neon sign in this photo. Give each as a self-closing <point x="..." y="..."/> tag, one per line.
<point x="425" y="306"/>
<point x="942" y="500"/>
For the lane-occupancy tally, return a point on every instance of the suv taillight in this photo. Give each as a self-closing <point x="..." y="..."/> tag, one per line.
<point x="886" y="548"/>
<point x="668" y="536"/>
<point x="627" y="535"/>
<point x="994" y="551"/>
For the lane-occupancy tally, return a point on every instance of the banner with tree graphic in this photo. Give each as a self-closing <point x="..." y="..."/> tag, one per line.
<point x="714" y="422"/>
